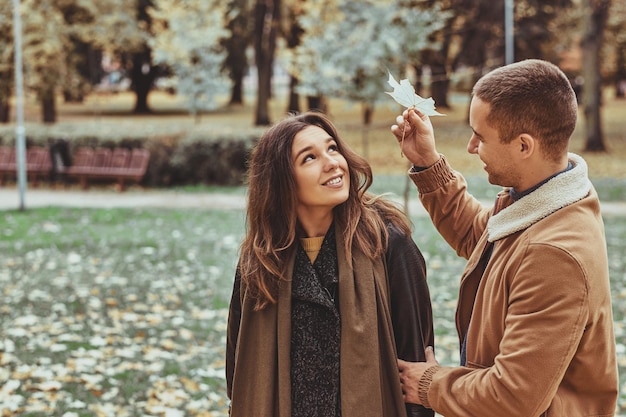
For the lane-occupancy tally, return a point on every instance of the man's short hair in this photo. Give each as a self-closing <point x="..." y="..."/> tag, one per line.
<point x="533" y="97"/>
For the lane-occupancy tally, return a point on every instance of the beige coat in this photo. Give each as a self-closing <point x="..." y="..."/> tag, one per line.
<point x="540" y="340"/>
<point x="370" y="385"/>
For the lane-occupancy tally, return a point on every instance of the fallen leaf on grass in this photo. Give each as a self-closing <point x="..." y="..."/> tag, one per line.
<point x="47" y="386"/>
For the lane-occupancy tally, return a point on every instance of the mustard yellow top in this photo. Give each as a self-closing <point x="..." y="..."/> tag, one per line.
<point x="312" y="246"/>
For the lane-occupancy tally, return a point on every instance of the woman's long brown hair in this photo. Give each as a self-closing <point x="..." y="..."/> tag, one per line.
<point x="271" y="234"/>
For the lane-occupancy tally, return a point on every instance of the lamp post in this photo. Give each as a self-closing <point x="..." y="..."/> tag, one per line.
<point x="508" y="31"/>
<point x="19" y="94"/>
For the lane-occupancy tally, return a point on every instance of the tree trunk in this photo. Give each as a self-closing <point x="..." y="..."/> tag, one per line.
<point x="266" y="18"/>
<point x="142" y="76"/>
<point x="317" y="103"/>
<point x="292" y="36"/>
<point x="236" y="60"/>
<point x="236" y="93"/>
<point x="94" y="59"/>
<point x="368" y="113"/>
<point x="440" y="82"/>
<point x="439" y="85"/>
<point x="294" y="100"/>
<point x="5" y="111"/>
<point x="419" y="82"/>
<point x="594" y="22"/>
<point x="48" y="108"/>
<point x="620" y="73"/>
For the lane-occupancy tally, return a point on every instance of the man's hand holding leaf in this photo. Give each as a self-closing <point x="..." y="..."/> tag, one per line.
<point x="414" y="124"/>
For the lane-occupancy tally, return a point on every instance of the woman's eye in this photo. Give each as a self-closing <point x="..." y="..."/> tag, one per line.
<point x="308" y="158"/>
<point x="333" y="148"/>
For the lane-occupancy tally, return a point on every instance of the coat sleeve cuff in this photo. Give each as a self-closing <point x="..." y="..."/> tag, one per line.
<point x="424" y="385"/>
<point x="428" y="179"/>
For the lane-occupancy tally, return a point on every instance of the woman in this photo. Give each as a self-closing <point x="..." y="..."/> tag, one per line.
<point x="330" y="288"/>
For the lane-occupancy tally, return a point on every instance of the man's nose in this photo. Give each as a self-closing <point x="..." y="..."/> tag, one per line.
<point x="472" y="145"/>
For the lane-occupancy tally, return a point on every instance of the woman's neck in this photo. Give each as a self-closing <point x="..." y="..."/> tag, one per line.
<point x="316" y="226"/>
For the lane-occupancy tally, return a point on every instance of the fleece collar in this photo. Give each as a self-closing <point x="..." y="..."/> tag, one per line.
<point x="560" y="191"/>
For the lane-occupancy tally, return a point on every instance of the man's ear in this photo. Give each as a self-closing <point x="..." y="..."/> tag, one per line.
<point x="527" y="145"/>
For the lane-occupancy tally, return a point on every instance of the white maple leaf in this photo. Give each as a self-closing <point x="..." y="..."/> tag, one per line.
<point x="404" y="94"/>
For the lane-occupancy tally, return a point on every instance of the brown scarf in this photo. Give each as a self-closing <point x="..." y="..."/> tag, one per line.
<point x="370" y="385"/>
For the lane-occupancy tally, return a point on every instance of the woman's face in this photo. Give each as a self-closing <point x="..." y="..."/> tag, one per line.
<point x="321" y="172"/>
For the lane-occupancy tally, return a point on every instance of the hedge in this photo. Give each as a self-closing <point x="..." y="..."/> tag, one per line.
<point x="177" y="157"/>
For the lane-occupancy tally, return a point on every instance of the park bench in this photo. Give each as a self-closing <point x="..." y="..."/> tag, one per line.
<point x="38" y="163"/>
<point x="120" y="164"/>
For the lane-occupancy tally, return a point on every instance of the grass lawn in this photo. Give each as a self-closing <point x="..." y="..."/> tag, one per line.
<point x="115" y="312"/>
<point x="122" y="312"/>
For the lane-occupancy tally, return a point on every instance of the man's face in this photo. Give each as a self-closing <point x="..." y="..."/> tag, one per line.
<point x="496" y="156"/>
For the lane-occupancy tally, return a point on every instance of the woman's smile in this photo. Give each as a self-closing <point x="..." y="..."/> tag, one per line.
<point x="334" y="182"/>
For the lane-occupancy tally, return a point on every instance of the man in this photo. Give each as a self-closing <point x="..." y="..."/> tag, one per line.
<point x="534" y="313"/>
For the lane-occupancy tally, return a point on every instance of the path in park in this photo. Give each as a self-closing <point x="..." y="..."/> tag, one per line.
<point x="97" y="198"/>
<point x="33" y="198"/>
